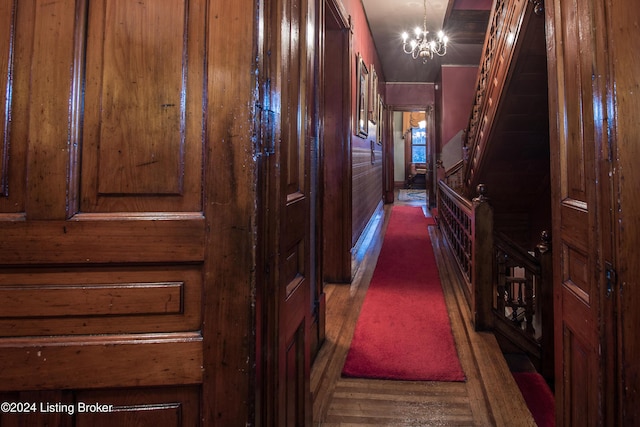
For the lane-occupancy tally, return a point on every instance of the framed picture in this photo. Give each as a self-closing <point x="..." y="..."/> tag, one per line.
<point x="362" y="122"/>
<point x="373" y="96"/>
<point x="380" y="111"/>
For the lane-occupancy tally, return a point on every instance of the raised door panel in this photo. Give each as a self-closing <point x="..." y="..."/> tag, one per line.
<point x="150" y="407"/>
<point x="117" y="407"/>
<point x="143" y="127"/>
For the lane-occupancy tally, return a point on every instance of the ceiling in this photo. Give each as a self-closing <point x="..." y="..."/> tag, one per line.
<point x="464" y="22"/>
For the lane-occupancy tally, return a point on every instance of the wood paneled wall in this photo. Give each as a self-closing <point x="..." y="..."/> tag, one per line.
<point x="367" y="186"/>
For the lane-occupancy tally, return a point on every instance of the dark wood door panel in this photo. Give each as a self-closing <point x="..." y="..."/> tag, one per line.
<point x="98" y="361"/>
<point x="175" y="406"/>
<point x="106" y="300"/>
<point x="143" y="122"/>
<point x="88" y="239"/>
<point x="580" y="407"/>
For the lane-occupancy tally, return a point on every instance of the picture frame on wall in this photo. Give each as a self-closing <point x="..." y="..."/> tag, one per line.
<point x="373" y="96"/>
<point x="362" y="108"/>
<point x="380" y="112"/>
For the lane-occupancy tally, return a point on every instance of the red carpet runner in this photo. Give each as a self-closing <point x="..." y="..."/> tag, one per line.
<point x="403" y="331"/>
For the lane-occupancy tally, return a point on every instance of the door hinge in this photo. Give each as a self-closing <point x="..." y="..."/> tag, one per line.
<point x="611" y="276"/>
<point x="266" y="144"/>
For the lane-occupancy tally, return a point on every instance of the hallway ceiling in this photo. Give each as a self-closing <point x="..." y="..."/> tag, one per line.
<point x="464" y="22"/>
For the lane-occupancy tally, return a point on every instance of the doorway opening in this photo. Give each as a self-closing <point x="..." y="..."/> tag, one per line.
<point x="413" y="150"/>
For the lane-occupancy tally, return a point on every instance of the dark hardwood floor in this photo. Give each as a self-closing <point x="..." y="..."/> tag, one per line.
<point x="489" y="397"/>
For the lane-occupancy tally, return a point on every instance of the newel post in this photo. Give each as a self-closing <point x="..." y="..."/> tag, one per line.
<point x="482" y="261"/>
<point x="545" y="299"/>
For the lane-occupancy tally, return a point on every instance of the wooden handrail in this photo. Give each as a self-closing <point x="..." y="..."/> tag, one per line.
<point x="454" y="168"/>
<point x="506" y="20"/>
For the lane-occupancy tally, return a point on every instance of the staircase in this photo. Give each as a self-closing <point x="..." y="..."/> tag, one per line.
<point x="507" y="139"/>
<point x="506" y="146"/>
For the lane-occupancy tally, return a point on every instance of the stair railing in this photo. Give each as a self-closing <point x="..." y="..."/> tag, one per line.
<point x="523" y="302"/>
<point x="468" y="229"/>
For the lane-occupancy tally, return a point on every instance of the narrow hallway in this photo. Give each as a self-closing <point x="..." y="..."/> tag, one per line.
<point x="489" y="397"/>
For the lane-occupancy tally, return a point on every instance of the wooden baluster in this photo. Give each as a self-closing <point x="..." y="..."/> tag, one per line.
<point x="528" y="303"/>
<point x="501" y="282"/>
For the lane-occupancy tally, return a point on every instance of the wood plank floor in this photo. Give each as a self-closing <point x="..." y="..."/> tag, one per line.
<point x="489" y="397"/>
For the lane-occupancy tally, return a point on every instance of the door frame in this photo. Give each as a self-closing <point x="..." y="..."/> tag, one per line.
<point x="335" y="164"/>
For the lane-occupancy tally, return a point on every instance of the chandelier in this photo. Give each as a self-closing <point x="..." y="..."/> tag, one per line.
<point x="422" y="46"/>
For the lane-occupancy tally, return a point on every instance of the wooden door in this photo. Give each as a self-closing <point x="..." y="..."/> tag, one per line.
<point x="289" y="222"/>
<point x="125" y="256"/>
<point x="584" y="323"/>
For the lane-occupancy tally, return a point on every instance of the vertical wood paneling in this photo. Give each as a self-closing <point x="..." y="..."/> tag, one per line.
<point x="623" y="18"/>
<point x="367" y="187"/>
<point x="230" y="209"/>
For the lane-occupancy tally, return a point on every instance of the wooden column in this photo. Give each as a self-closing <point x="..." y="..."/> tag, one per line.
<point x="482" y="261"/>
<point x="545" y="299"/>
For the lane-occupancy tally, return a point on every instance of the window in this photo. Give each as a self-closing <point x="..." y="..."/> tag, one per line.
<point x="419" y="145"/>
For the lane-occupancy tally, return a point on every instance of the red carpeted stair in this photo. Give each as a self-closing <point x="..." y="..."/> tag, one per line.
<point x="538" y="396"/>
<point x="403" y="331"/>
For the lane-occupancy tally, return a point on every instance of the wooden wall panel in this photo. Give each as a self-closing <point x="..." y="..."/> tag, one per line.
<point x="367" y="187"/>
<point x="624" y="46"/>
